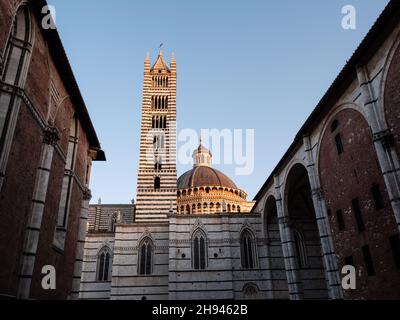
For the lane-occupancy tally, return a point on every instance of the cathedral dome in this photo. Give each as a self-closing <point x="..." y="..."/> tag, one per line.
<point x="202" y="176"/>
<point x="205" y="190"/>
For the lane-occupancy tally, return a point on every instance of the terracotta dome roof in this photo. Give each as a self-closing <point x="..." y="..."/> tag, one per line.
<point x="203" y="176"/>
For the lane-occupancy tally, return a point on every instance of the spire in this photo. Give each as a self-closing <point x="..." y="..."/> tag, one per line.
<point x="160" y="63"/>
<point x="147" y="62"/>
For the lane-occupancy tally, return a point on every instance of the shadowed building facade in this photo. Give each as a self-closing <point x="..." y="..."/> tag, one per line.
<point x="335" y="194"/>
<point x="47" y="146"/>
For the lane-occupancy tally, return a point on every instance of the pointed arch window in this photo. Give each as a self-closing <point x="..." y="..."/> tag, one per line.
<point x="13" y="71"/>
<point x="145" y="262"/>
<point x="103" y="264"/>
<point x="247" y="250"/>
<point x="199" y="250"/>
<point x="300" y="248"/>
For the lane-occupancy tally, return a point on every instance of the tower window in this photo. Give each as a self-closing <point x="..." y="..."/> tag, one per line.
<point x="340" y="220"/>
<point x="199" y="249"/>
<point x="157" y="183"/>
<point x="145" y="257"/>
<point x="377" y="196"/>
<point x="358" y="215"/>
<point x="339" y="143"/>
<point x="395" y="245"/>
<point x="369" y="264"/>
<point x="158" y="166"/>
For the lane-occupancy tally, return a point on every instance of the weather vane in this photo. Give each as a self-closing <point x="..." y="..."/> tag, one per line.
<point x="161" y="45"/>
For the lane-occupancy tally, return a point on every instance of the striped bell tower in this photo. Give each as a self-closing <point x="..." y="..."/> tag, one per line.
<point x="156" y="185"/>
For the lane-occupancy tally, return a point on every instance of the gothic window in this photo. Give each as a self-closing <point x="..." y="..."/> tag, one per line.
<point x="13" y="71"/>
<point x="247" y="250"/>
<point x="64" y="205"/>
<point x="145" y="257"/>
<point x="158" y="166"/>
<point x="157" y="183"/>
<point x="103" y="264"/>
<point x="300" y="248"/>
<point x="165" y="123"/>
<point x="113" y="222"/>
<point x="199" y="250"/>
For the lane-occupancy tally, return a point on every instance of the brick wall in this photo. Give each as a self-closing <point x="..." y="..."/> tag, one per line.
<point x="348" y="176"/>
<point x="21" y="171"/>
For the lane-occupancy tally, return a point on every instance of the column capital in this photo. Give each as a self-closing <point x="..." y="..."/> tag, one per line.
<point x="385" y="137"/>
<point x="87" y="194"/>
<point x="50" y="135"/>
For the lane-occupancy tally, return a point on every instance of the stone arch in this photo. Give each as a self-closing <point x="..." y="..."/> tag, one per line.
<point x="391" y="56"/>
<point x="390" y="98"/>
<point x="272" y="235"/>
<point x="328" y="121"/>
<point x="299" y="209"/>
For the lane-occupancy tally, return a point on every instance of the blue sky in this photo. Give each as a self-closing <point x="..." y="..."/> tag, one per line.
<point x="261" y="65"/>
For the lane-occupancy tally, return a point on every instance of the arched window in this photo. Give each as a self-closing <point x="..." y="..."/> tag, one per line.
<point x="199" y="250"/>
<point x="157" y="183"/>
<point x="145" y="262"/>
<point x="247" y="250"/>
<point x="103" y="264"/>
<point x="300" y="247"/>
<point x="13" y="71"/>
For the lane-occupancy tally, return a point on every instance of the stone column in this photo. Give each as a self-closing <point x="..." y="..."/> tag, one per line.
<point x="80" y="247"/>
<point x="328" y="250"/>
<point x="291" y="265"/>
<point x="35" y="221"/>
<point x="383" y="142"/>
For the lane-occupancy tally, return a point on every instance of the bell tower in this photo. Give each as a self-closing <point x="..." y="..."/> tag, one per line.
<point x="156" y="184"/>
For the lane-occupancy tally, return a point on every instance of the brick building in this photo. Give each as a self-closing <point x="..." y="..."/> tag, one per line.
<point x="335" y="195"/>
<point x="47" y="145"/>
